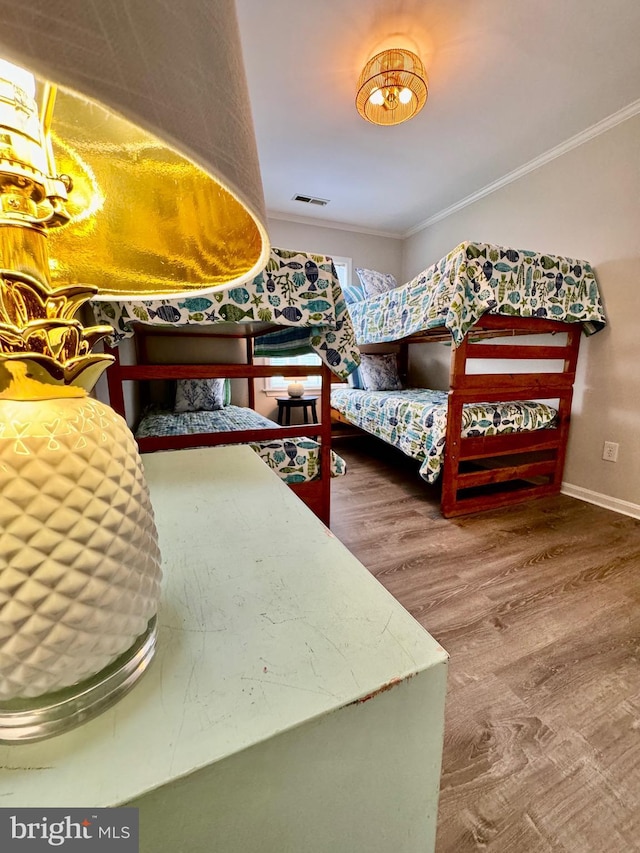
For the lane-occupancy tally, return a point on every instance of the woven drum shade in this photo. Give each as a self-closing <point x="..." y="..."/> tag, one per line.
<point x="392" y="87"/>
<point x="152" y="122"/>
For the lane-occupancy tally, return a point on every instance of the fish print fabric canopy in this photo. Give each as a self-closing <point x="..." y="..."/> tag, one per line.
<point x="476" y="278"/>
<point x="298" y="291"/>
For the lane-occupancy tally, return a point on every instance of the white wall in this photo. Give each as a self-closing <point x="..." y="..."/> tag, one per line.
<point x="586" y="205"/>
<point x="366" y="250"/>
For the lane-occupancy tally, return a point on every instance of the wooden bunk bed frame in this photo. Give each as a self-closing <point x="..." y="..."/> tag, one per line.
<point x="487" y="472"/>
<point x="316" y="493"/>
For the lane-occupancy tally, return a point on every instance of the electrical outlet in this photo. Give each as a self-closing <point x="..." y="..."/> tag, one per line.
<point x="610" y="451"/>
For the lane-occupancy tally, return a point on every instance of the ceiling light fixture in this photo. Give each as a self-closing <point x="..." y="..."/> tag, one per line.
<point x="392" y="87"/>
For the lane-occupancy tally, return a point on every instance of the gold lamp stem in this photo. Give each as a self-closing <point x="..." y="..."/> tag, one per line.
<point x="44" y="350"/>
<point x="23" y="246"/>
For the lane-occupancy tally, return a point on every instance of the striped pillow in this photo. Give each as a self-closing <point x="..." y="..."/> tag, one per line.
<point x="355" y="379"/>
<point x="353" y="293"/>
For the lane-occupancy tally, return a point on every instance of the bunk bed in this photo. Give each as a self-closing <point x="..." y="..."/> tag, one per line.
<point x="295" y="305"/>
<point x="498" y="435"/>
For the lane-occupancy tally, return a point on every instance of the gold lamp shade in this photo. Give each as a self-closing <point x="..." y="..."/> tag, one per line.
<point x="392" y="87"/>
<point x="166" y="196"/>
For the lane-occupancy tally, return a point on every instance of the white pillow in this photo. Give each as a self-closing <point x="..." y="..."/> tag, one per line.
<point x="374" y="283"/>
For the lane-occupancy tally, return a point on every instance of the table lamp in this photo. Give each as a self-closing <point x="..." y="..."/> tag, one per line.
<point x="128" y="169"/>
<point x="295" y="386"/>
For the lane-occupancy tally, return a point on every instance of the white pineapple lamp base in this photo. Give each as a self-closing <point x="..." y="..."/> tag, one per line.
<point x="79" y="564"/>
<point x="25" y="720"/>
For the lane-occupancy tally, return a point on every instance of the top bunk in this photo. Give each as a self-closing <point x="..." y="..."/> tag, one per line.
<point x="529" y="290"/>
<point x="294" y="306"/>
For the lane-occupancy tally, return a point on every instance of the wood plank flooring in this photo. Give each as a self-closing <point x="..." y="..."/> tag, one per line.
<point x="539" y="608"/>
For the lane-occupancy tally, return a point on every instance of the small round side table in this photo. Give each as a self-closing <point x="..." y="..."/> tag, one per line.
<point x="285" y="404"/>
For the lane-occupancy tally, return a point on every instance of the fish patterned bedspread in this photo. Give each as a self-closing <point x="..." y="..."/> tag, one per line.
<point x="475" y="278"/>
<point x="296" y="290"/>
<point x="295" y="460"/>
<point x="415" y="420"/>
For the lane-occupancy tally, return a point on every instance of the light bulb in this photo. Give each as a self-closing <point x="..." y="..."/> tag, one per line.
<point x="405" y="96"/>
<point x="391" y="98"/>
<point x="20" y="77"/>
<point x="376" y="97"/>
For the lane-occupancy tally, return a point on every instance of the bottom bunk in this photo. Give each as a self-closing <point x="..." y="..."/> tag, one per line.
<point x="493" y="439"/>
<point x="415" y="420"/>
<point x="509" y="450"/>
<point x="295" y="460"/>
<point x="204" y="416"/>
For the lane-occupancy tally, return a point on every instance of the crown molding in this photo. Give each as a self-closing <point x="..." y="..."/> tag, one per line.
<point x="574" y="142"/>
<point x="328" y="223"/>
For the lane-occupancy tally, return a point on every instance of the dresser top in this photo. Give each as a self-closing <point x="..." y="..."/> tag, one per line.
<point x="267" y="621"/>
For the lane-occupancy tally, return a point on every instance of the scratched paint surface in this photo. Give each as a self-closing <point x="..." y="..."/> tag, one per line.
<point x="267" y="621"/>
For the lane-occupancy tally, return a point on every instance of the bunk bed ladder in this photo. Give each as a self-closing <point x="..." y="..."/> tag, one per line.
<point x="491" y="471"/>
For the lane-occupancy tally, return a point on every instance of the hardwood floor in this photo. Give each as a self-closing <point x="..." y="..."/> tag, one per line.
<point x="539" y="608"/>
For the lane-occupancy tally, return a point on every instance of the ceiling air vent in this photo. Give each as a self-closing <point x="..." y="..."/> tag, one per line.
<point x="309" y="199"/>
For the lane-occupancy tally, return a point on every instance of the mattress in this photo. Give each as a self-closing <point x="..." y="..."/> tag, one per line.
<point x="295" y="460"/>
<point x="415" y="420"/>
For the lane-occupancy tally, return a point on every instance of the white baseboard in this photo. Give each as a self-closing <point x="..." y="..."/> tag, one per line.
<point x="615" y="504"/>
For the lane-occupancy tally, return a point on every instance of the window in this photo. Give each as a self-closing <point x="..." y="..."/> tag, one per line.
<point x="277" y="384"/>
<point x="343" y="269"/>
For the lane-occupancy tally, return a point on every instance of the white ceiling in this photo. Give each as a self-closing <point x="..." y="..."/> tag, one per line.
<point x="509" y="80"/>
